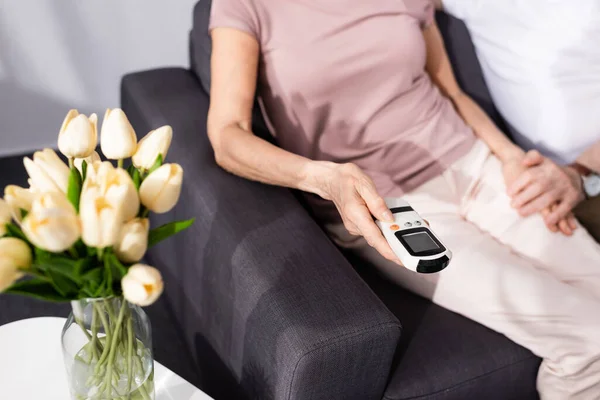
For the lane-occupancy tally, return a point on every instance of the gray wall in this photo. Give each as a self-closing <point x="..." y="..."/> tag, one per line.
<point x="62" y="54"/>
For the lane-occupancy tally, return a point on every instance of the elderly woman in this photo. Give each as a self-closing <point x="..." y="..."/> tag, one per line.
<point x="363" y="102"/>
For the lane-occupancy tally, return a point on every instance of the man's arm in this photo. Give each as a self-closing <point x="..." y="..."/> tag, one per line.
<point x="440" y="70"/>
<point x="512" y="157"/>
<point x="591" y="157"/>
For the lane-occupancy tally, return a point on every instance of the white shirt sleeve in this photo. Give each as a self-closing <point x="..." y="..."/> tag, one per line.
<point x="459" y="8"/>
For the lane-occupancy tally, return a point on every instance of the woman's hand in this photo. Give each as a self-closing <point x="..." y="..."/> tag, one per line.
<point x="536" y="184"/>
<point x="357" y="200"/>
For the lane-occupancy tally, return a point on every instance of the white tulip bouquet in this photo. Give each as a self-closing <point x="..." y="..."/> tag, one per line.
<point x="80" y="230"/>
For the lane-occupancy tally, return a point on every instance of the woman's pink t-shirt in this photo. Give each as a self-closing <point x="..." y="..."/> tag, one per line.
<point x="345" y="81"/>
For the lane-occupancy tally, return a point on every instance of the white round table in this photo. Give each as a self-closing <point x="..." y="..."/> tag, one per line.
<point x="31" y="365"/>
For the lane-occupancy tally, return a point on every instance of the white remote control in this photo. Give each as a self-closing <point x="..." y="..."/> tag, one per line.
<point x="410" y="238"/>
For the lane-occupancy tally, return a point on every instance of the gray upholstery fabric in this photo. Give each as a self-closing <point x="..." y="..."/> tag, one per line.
<point x="255" y="284"/>
<point x="200" y="43"/>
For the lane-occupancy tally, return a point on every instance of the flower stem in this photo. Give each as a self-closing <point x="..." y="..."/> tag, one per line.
<point x="108" y="333"/>
<point x="73" y="253"/>
<point x="70" y="162"/>
<point x="95" y="343"/>
<point x="83" y="328"/>
<point x="141" y="389"/>
<point x="120" y="163"/>
<point x="113" y="347"/>
<point x="129" y="353"/>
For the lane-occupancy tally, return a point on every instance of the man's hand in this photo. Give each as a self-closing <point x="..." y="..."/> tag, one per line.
<point x="543" y="186"/>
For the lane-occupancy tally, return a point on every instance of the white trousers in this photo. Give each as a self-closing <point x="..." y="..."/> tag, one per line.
<point x="511" y="274"/>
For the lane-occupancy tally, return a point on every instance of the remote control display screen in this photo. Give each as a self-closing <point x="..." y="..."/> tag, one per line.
<point x="420" y="242"/>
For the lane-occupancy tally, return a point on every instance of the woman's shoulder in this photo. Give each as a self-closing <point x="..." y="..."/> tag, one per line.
<point x="238" y="14"/>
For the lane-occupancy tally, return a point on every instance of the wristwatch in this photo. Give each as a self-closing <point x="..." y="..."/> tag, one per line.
<point x="591" y="180"/>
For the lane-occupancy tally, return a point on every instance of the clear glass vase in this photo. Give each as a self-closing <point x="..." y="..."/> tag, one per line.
<point x="107" y="348"/>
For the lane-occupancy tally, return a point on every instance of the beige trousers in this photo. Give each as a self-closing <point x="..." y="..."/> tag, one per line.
<point x="511" y="274"/>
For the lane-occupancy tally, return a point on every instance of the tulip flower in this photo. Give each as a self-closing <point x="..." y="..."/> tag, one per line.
<point x="18" y="199"/>
<point x="133" y="240"/>
<point x="78" y="135"/>
<point x="17" y="251"/>
<point x="91" y="159"/>
<point x="100" y="219"/>
<point x="5" y="216"/>
<point x="52" y="223"/>
<point x="160" y="190"/>
<point x="116" y="186"/>
<point x="117" y="137"/>
<point x="47" y="171"/>
<point x="142" y="285"/>
<point x="154" y="143"/>
<point x="9" y="273"/>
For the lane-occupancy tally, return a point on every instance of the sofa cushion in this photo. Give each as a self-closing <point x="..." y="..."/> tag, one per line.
<point x="445" y="356"/>
<point x="200" y="43"/>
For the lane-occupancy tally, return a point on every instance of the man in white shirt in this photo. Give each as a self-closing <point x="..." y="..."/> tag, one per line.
<point x="541" y="62"/>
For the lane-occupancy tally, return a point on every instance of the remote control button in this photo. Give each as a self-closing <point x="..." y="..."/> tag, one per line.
<point x="418" y="223"/>
<point x="407" y="224"/>
<point x="394" y="227"/>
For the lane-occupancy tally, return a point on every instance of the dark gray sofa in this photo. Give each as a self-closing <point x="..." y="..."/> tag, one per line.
<point x="269" y="308"/>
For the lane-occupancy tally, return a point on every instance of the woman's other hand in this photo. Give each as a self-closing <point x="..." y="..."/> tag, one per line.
<point x="357" y="200"/>
<point x="536" y="184"/>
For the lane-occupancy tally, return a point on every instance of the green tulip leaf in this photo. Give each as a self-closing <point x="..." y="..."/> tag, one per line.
<point x="118" y="269"/>
<point x="84" y="166"/>
<point x="131" y="169"/>
<point x="93" y="276"/>
<point x="63" y="285"/>
<point x="108" y="275"/>
<point x="93" y="282"/>
<point x="57" y="265"/>
<point x="157" y="164"/>
<point x="42" y="256"/>
<point x="13" y="230"/>
<point x="74" y="188"/>
<point x="82" y="266"/>
<point x="161" y="233"/>
<point x="80" y="248"/>
<point x="137" y="179"/>
<point x="24" y="213"/>
<point x="37" y="288"/>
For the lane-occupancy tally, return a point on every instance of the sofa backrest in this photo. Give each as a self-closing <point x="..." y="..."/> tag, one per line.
<point x="200" y="43"/>
<point x="458" y="45"/>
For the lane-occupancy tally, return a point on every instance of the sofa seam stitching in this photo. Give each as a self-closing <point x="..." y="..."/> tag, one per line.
<point x="327" y="342"/>
<point x="455" y="386"/>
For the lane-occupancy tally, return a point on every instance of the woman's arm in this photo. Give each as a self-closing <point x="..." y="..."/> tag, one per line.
<point x="234" y="66"/>
<point x="440" y="70"/>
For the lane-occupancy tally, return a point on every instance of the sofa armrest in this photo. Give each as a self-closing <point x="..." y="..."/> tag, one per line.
<point x="255" y="281"/>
